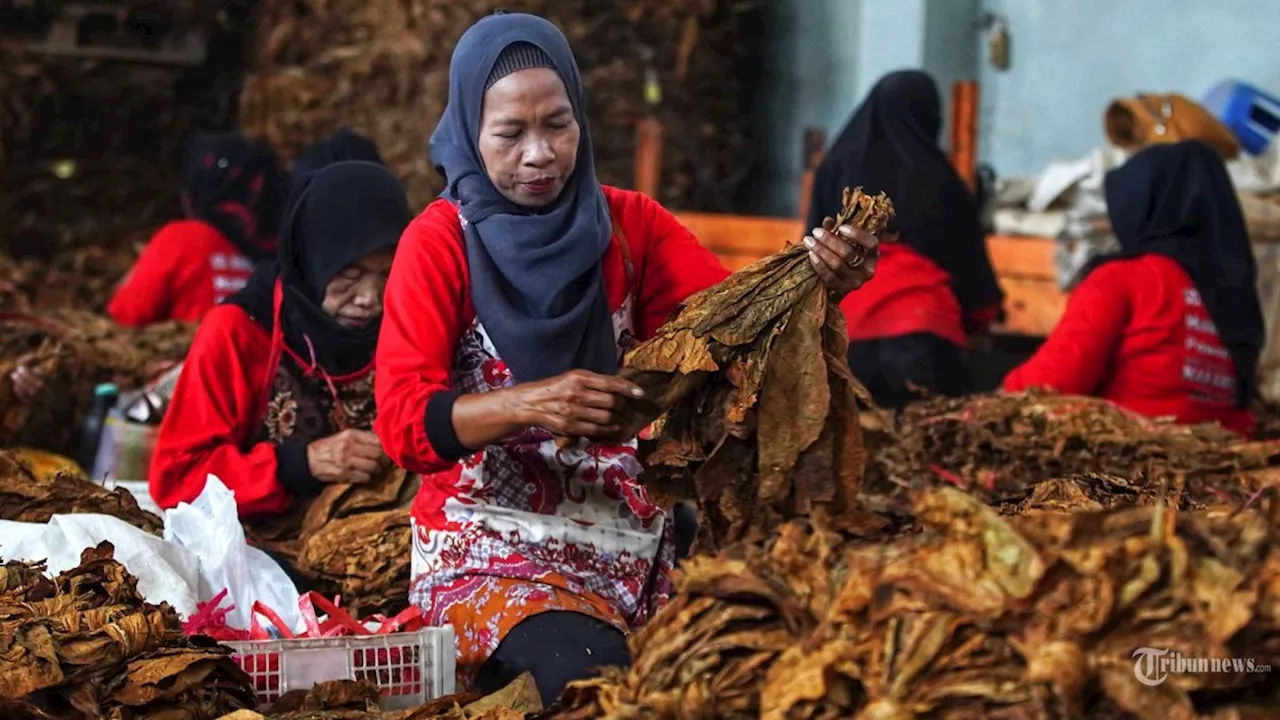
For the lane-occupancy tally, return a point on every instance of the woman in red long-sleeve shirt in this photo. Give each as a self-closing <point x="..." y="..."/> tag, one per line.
<point x="510" y="303"/>
<point x="232" y="191"/>
<point x="935" y="286"/>
<point x="1171" y="325"/>
<point x="276" y="396"/>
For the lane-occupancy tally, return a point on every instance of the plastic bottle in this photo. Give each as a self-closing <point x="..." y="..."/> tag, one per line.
<point x="104" y="399"/>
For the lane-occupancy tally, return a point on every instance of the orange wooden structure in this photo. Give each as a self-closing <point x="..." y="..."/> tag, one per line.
<point x="648" y="162"/>
<point x="964" y="131"/>
<point x="1023" y="265"/>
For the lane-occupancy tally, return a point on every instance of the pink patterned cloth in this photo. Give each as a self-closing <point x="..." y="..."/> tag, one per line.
<point x="527" y="527"/>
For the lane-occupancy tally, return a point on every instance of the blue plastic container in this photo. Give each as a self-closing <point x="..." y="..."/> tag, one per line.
<point x="1254" y="116"/>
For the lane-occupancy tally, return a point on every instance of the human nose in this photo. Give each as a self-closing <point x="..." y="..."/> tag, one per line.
<point x="538" y="152"/>
<point x="368" y="295"/>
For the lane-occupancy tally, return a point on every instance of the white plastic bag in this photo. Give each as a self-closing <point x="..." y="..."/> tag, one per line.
<point x="210" y="528"/>
<point x="165" y="571"/>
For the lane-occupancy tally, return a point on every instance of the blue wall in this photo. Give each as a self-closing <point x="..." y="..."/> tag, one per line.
<point x="1071" y="57"/>
<point x="823" y="56"/>
<point x="811" y="69"/>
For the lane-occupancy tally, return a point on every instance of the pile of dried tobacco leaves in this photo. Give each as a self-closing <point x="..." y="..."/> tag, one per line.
<point x="351" y="540"/>
<point x="85" y="645"/>
<point x="997" y="446"/>
<point x="756" y="408"/>
<point x="381" y="67"/>
<point x="63" y="355"/>
<point x="1051" y="615"/>
<point x="27" y="497"/>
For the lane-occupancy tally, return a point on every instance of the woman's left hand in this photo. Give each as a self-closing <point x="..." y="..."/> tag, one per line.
<point x="844" y="257"/>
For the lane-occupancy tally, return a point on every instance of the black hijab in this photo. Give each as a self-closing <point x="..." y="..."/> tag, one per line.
<point x="235" y="185"/>
<point x="535" y="273"/>
<point x="891" y="145"/>
<point x="342" y="145"/>
<point x="337" y="216"/>
<point x="1178" y="200"/>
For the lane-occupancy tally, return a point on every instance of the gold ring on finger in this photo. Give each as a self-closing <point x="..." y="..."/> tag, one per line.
<point x="857" y="261"/>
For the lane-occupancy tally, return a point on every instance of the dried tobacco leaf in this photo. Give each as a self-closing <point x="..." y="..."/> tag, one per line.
<point x="351" y="540"/>
<point x="366" y="557"/>
<point x="86" y="645"/>
<point x="357" y="695"/>
<point x="382" y="66"/>
<point x="72" y="351"/>
<point x="26" y="498"/>
<point x="997" y="446"/>
<point x="752" y="405"/>
<point x="519" y="697"/>
<point x="975" y="615"/>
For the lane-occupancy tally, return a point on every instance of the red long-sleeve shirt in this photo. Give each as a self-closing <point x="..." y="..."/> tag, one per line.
<point x="186" y="269"/>
<point x="215" y="410"/>
<point x="1136" y="332"/>
<point x="428" y="306"/>
<point x="910" y="294"/>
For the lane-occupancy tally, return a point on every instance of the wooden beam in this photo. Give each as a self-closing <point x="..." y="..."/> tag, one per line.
<point x="964" y="131"/>
<point x="1025" y="257"/>
<point x="648" y="162"/>
<point x="742" y="236"/>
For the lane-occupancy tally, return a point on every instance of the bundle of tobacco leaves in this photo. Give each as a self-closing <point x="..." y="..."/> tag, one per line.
<point x="85" y="645"/>
<point x="350" y="540"/>
<point x="996" y="446"/>
<point x="50" y="363"/>
<point x="1052" y="615"/>
<point x="755" y="407"/>
<point x="364" y="558"/>
<point x="27" y="497"/>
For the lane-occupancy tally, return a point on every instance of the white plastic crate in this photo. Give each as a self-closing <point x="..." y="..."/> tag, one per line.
<point x="409" y="668"/>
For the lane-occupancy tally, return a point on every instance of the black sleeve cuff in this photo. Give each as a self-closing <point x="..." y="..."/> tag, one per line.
<point x="293" y="471"/>
<point x="439" y="427"/>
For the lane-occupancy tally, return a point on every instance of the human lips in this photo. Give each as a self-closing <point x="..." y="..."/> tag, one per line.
<point x="351" y="320"/>
<point x="540" y="186"/>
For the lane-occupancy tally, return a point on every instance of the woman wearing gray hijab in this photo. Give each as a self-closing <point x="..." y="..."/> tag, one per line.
<point x="511" y="300"/>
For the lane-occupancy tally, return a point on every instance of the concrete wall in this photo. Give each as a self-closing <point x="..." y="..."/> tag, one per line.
<point x="1071" y="58"/>
<point x="823" y="56"/>
<point x="811" y="69"/>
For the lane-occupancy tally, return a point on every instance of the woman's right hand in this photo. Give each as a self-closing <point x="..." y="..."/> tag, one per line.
<point x="578" y="403"/>
<point x="351" y="456"/>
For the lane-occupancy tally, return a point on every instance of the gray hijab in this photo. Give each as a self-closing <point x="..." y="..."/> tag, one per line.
<point x="535" y="273"/>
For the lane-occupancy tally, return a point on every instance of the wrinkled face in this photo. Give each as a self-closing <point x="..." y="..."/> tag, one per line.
<point x="354" y="296"/>
<point x="529" y="136"/>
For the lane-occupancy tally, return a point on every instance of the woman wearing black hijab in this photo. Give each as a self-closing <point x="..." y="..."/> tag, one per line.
<point x="232" y="190"/>
<point x="1171" y="325"/>
<point x="276" y="396"/>
<point x="510" y="302"/>
<point x="935" y="285"/>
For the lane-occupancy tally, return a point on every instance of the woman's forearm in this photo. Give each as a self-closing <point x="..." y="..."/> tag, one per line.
<point x="480" y="419"/>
